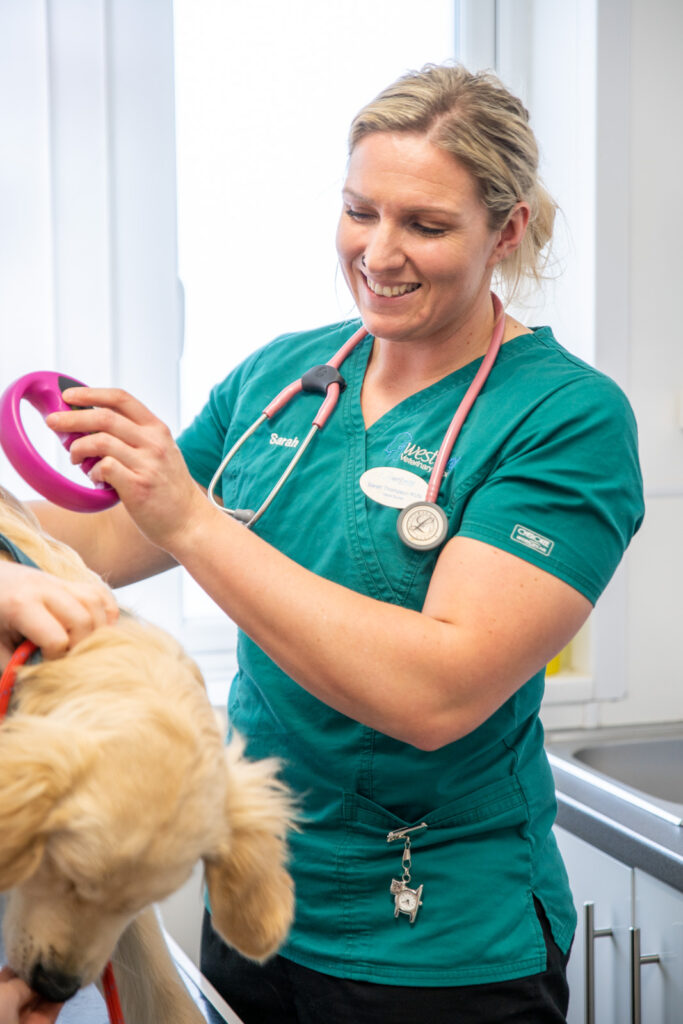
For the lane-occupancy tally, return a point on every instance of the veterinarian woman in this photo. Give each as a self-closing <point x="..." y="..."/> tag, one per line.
<point x="399" y="684"/>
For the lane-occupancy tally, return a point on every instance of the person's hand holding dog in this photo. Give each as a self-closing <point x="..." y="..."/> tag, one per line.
<point x="53" y="613"/>
<point x="20" y="1005"/>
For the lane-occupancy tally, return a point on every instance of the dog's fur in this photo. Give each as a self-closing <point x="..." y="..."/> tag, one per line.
<point x="114" y="782"/>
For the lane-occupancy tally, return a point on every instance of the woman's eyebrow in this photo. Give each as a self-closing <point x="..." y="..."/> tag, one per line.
<point x="349" y="193"/>
<point x="355" y="195"/>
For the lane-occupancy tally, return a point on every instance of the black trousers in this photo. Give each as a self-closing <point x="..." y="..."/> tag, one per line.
<point x="282" y="992"/>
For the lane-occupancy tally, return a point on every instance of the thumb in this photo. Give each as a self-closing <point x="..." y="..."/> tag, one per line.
<point x="14" y="995"/>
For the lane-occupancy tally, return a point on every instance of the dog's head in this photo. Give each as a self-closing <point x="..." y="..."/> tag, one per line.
<point x="114" y="782"/>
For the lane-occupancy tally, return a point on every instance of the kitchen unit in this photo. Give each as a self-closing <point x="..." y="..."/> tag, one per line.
<point x="620" y="830"/>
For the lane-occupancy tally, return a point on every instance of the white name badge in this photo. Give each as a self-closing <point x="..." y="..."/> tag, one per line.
<point x="389" y="485"/>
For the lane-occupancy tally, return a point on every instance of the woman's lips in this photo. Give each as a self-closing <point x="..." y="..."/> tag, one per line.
<point x="389" y="291"/>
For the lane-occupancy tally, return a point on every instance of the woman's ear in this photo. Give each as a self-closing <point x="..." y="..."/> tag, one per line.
<point x="250" y="891"/>
<point x="512" y="232"/>
<point x="38" y="764"/>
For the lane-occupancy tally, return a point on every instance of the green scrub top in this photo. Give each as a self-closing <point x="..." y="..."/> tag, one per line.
<point x="546" y="468"/>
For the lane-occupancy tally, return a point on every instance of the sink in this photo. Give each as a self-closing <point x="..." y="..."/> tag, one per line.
<point x="653" y="766"/>
<point x="642" y="765"/>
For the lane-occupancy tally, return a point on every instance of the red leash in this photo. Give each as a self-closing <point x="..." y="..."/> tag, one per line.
<point x="111" y="995"/>
<point x="20" y="657"/>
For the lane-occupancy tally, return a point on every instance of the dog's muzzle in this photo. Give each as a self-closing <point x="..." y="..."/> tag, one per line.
<point x="53" y="984"/>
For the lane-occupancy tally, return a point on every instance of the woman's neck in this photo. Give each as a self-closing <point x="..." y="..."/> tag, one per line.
<point x="398" y="369"/>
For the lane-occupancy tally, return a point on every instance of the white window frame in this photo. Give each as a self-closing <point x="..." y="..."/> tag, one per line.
<point x="88" y="278"/>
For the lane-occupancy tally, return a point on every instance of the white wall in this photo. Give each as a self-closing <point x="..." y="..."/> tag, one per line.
<point x="603" y="81"/>
<point x="646" y="212"/>
<point x="655" y="605"/>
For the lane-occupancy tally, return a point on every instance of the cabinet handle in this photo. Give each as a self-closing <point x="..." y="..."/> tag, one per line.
<point x="591" y="933"/>
<point x="636" y="960"/>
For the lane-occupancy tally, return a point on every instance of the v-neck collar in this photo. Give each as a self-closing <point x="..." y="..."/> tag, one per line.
<point x="359" y="442"/>
<point x="408" y="405"/>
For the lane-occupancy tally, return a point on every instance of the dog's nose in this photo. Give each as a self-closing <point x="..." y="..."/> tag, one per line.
<point x="54" y="985"/>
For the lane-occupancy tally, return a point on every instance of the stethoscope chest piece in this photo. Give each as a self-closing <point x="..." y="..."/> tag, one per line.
<point x="422" y="525"/>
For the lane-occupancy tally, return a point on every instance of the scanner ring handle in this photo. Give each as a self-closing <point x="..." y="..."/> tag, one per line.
<point x="43" y="390"/>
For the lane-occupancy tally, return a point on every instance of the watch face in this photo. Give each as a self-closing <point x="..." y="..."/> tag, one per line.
<point x="407" y="900"/>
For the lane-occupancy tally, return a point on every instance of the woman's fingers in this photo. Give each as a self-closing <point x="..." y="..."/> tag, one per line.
<point x="14" y="996"/>
<point x="20" y="1005"/>
<point x="41" y="1013"/>
<point x="91" y="401"/>
<point x="73" y="611"/>
<point x="53" y="613"/>
<point x="138" y="457"/>
<point x="134" y="446"/>
<point x="106" y="410"/>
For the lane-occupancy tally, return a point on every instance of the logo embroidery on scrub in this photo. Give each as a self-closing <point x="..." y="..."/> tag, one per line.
<point x="403" y="449"/>
<point x="531" y="539"/>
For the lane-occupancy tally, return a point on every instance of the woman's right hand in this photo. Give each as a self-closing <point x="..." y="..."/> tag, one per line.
<point x="137" y="456"/>
<point x="51" y="612"/>
<point x="19" y="1005"/>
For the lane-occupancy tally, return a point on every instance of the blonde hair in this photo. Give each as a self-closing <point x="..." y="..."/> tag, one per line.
<point x="477" y="120"/>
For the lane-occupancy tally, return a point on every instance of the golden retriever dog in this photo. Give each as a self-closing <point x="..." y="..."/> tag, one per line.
<point x="114" y="782"/>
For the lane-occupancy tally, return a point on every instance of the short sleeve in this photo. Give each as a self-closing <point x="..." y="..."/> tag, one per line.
<point x="202" y="442"/>
<point x="566" y="492"/>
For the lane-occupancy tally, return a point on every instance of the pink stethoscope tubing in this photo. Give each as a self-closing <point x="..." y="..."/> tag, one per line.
<point x="461" y="413"/>
<point x="331" y="388"/>
<point x="332" y="394"/>
<point x="43" y="390"/>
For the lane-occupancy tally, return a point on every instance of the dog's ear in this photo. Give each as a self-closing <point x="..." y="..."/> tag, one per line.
<point x="250" y="889"/>
<point x="38" y="766"/>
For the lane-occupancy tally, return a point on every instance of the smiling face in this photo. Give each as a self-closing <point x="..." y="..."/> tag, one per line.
<point x="413" y="240"/>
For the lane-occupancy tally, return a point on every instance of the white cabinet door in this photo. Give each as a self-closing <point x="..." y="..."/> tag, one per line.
<point x="658" y="913"/>
<point x="597" y="878"/>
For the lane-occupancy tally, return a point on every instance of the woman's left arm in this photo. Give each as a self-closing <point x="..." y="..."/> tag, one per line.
<point x="489" y="622"/>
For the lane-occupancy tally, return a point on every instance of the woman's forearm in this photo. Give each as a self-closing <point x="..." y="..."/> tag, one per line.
<point x="373" y="661"/>
<point x="108" y="542"/>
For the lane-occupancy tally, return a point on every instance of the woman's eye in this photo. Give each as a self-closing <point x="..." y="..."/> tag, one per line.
<point x="357" y="215"/>
<point x="430" y="232"/>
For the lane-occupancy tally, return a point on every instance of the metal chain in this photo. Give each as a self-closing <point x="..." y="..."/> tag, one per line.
<point x="406" y="861"/>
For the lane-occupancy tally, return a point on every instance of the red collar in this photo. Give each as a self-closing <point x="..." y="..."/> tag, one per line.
<point x="20" y="657"/>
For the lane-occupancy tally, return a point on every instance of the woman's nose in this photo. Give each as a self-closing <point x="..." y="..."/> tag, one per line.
<point x="383" y="251"/>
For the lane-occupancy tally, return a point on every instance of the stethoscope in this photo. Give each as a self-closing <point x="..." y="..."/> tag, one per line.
<point x="422" y="524"/>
